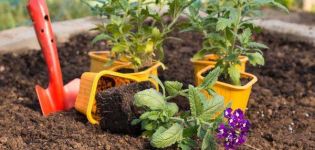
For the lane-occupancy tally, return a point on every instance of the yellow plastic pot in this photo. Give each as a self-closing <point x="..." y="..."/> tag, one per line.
<point x="85" y="102"/>
<point x="99" y="59"/>
<point x="211" y="60"/>
<point x="237" y="95"/>
<point x="143" y="75"/>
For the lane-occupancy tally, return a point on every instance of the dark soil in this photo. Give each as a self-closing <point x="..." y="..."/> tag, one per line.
<point x="116" y="110"/>
<point x="129" y="70"/>
<point x="281" y="107"/>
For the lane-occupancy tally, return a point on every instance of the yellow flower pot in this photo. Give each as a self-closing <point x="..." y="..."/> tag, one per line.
<point x="143" y="75"/>
<point x="99" y="59"/>
<point x="236" y="95"/>
<point x="211" y="60"/>
<point x="89" y="85"/>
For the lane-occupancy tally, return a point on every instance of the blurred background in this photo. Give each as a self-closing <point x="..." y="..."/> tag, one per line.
<point x="13" y="12"/>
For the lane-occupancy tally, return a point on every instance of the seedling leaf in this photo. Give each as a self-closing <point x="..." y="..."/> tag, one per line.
<point x="149" y="98"/>
<point x="195" y="101"/>
<point x="173" y="87"/>
<point x="166" y="137"/>
<point x="100" y="37"/>
<point x="211" y="78"/>
<point x="256" y="59"/>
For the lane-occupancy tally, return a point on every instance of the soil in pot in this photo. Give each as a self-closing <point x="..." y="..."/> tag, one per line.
<point x="130" y="70"/>
<point x="116" y="110"/>
<point x="105" y="83"/>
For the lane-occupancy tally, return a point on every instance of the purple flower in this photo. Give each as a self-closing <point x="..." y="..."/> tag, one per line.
<point x="245" y="125"/>
<point x="238" y="113"/>
<point x="222" y="131"/>
<point x="233" y="134"/>
<point x="228" y="113"/>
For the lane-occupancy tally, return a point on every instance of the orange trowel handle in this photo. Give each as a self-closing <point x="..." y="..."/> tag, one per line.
<point x="39" y="13"/>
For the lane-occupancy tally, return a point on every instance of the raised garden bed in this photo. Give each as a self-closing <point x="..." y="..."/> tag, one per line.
<point x="281" y="107"/>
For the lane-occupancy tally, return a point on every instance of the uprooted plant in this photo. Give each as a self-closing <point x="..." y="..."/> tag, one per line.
<point x="165" y="125"/>
<point x="130" y="34"/>
<point x="227" y="29"/>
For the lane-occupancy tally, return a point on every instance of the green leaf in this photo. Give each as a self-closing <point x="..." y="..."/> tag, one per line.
<point x="201" y="132"/>
<point x="233" y="15"/>
<point x="149" y="47"/>
<point x="100" y="37"/>
<point x="211" y="107"/>
<point x="200" y="54"/>
<point x="280" y="6"/>
<point x="189" y="131"/>
<point x="208" y="142"/>
<point x="172" y="109"/>
<point x="150" y="98"/>
<point x="256" y="58"/>
<point x="119" y="48"/>
<point x="124" y="4"/>
<point x="223" y="23"/>
<point x="195" y="101"/>
<point x="148" y="125"/>
<point x="152" y="115"/>
<point x="215" y="103"/>
<point x="166" y="137"/>
<point x="156" y="34"/>
<point x="211" y="78"/>
<point x="173" y="87"/>
<point x="113" y="29"/>
<point x="184" y="146"/>
<point x="245" y="36"/>
<point x="187" y="144"/>
<point x="235" y="74"/>
<point x="257" y="45"/>
<point x="136" y="61"/>
<point x="135" y="121"/>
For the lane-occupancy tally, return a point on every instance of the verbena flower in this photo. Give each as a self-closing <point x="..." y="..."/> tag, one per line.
<point x="233" y="134"/>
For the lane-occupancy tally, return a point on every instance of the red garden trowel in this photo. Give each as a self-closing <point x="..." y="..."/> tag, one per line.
<point x="56" y="97"/>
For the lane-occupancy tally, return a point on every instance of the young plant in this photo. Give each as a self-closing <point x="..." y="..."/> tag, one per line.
<point x="227" y="31"/>
<point x="137" y="29"/>
<point x="165" y="125"/>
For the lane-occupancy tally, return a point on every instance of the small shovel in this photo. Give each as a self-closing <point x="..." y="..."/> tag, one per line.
<point x="56" y="97"/>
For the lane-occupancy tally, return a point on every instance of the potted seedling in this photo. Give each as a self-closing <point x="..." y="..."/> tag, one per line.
<point x="227" y="30"/>
<point x="136" y="31"/>
<point x="202" y="127"/>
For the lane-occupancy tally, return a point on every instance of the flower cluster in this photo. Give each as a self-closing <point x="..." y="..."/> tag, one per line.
<point x="234" y="133"/>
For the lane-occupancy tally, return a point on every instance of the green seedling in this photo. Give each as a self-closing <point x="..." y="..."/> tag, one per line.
<point x="227" y="28"/>
<point x="137" y="29"/>
<point x="164" y="125"/>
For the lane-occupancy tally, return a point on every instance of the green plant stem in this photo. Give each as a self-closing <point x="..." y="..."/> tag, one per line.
<point x="232" y="49"/>
<point x="177" y="15"/>
<point x="236" y="28"/>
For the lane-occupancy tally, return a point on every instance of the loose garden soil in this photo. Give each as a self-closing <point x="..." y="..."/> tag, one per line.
<point x="281" y="107"/>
